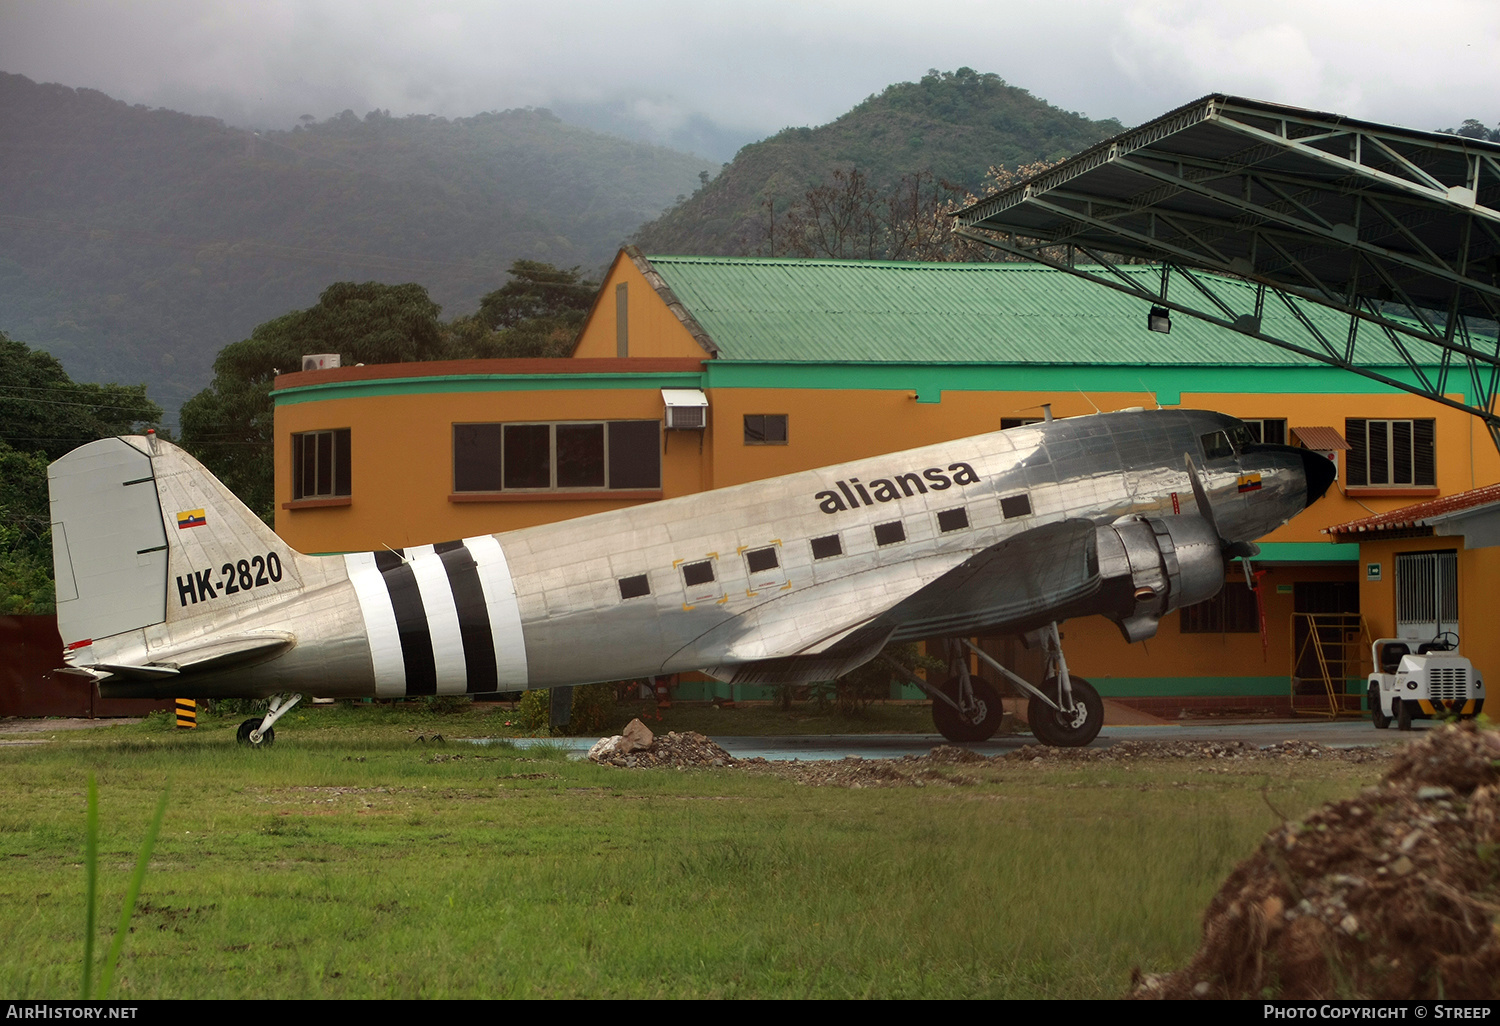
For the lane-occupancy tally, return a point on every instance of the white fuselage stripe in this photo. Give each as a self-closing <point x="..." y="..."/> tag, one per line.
<point x="380" y="624"/>
<point x="442" y="619"/>
<point x="504" y="610"/>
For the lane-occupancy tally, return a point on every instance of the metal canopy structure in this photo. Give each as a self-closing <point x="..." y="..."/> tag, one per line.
<point x="1399" y="230"/>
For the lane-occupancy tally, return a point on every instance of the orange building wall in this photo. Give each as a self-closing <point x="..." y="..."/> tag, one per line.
<point x="402" y="462"/>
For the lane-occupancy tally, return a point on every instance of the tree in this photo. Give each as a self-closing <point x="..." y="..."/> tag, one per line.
<point x="537" y="313"/>
<point x="537" y="290"/>
<point x="43" y="415"/>
<point x="228" y="426"/>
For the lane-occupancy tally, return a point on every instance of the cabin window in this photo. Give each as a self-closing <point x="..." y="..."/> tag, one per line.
<point x="1216" y="446"/>
<point x="594" y="455"/>
<point x="1015" y="506"/>
<point x="634" y="587"/>
<point x="890" y="534"/>
<point x="953" y="520"/>
<point x="761" y="560"/>
<point x="1387" y="453"/>
<point x="765" y="428"/>
<point x="320" y="464"/>
<point x="1006" y="423"/>
<point x="701" y="572"/>
<point x="827" y="547"/>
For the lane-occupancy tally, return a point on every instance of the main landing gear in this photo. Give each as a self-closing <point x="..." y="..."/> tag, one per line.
<point x="1065" y="712"/>
<point x="259" y="732"/>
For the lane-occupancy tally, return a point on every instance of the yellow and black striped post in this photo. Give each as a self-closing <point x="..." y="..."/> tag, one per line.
<point x="187" y="714"/>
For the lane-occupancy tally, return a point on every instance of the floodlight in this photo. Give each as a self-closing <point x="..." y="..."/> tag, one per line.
<point x="1159" y="319"/>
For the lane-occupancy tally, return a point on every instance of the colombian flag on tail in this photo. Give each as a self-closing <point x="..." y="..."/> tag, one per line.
<point x="191" y="518"/>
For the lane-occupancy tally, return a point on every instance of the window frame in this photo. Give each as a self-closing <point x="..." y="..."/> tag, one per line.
<point x="1232" y="611"/>
<point x="340" y="473"/>
<point x="1421" y="442"/>
<point x="553" y="487"/>
<point x="786" y="429"/>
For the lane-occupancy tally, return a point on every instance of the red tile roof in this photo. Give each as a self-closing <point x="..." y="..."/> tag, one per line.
<point x="1419" y="514"/>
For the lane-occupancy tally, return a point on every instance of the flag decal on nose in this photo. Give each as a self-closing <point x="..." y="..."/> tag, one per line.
<point x="1249" y="482"/>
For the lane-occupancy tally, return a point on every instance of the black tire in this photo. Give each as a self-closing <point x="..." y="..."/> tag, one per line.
<point x="1377" y="711"/>
<point x="987" y="715"/>
<point x="1064" y="731"/>
<point x="267" y="736"/>
<point x="1403" y="714"/>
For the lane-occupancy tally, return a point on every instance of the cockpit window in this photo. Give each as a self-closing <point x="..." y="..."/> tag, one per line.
<point x="1216" y="446"/>
<point x="1241" y="436"/>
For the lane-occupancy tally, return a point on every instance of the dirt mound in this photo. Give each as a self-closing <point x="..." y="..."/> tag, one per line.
<point x="684" y="750"/>
<point x="1391" y="895"/>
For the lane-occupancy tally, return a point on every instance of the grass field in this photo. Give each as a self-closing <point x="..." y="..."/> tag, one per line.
<point x="352" y="860"/>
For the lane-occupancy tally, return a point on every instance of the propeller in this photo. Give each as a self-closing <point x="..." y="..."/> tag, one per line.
<point x="1232" y="550"/>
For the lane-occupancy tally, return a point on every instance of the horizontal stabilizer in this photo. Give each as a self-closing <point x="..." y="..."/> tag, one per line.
<point x="214" y="654"/>
<point x="135" y="672"/>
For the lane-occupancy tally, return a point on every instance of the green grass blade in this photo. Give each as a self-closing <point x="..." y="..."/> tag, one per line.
<point x="136" y="878"/>
<point x="90" y="880"/>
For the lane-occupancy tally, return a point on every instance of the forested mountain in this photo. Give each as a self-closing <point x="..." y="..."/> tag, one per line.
<point x="955" y="125"/>
<point x="135" y="243"/>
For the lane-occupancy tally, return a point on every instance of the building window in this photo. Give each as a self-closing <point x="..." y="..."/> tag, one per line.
<point x="1390" y="453"/>
<point x="1267" y="431"/>
<point x="320" y="464"/>
<point x="1231" y="611"/>
<point x="605" y="455"/>
<point x="765" y="429"/>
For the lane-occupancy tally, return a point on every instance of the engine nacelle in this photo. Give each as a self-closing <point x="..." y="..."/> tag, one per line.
<point x="1152" y="566"/>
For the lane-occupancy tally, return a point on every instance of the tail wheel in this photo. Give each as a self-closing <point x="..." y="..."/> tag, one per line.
<point x="980" y="724"/>
<point x="1377" y="711"/>
<point x="267" y="736"/>
<point x="1067" y="729"/>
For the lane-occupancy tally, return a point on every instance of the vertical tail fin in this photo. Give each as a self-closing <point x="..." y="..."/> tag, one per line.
<point x="142" y="534"/>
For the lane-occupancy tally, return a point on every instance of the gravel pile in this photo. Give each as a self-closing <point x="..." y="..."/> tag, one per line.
<point x="684" y="750"/>
<point x="1199" y="750"/>
<point x="1391" y="895"/>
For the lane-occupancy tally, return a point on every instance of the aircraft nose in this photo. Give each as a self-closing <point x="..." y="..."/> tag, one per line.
<point x="1320" y="472"/>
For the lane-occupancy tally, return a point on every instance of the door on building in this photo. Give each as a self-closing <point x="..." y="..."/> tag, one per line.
<point x="1426" y="594"/>
<point x="1336" y="608"/>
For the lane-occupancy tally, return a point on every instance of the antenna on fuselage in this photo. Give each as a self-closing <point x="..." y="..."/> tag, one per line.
<point x="1046" y="413"/>
<point x="1147" y="389"/>
<point x="1089" y="401"/>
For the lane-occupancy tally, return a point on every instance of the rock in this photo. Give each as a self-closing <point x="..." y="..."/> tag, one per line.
<point x="635" y="737"/>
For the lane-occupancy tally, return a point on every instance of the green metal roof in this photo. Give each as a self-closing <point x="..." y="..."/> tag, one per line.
<point x="758" y="309"/>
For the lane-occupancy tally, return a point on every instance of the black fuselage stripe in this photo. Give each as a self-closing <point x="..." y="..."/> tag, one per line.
<point x="411" y="627"/>
<point x="473" y="620"/>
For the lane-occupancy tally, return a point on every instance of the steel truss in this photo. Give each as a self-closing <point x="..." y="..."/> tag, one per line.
<point x="1397" y="232"/>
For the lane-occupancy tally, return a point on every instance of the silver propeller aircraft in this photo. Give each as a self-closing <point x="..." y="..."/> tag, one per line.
<point x="167" y="586"/>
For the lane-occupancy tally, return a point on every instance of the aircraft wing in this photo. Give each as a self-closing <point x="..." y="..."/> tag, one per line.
<point x="820" y="632"/>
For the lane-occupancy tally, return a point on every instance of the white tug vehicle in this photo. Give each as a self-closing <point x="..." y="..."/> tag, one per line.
<point x="1435" y="681"/>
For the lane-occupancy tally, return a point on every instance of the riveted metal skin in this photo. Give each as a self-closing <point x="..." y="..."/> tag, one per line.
<point x="1089" y="515"/>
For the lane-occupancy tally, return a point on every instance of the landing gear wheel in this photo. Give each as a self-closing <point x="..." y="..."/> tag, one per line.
<point x="267" y="736"/>
<point x="1067" y="730"/>
<point x="981" y="725"/>
<point x="1403" y="714"/>
<point x="1377" y="711"/>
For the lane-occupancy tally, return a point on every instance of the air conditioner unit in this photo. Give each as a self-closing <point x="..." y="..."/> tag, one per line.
<point x="320" y="361"/>
<point x="687" y="409"/>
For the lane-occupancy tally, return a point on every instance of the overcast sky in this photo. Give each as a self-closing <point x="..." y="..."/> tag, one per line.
<point x="715" y="74"/>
